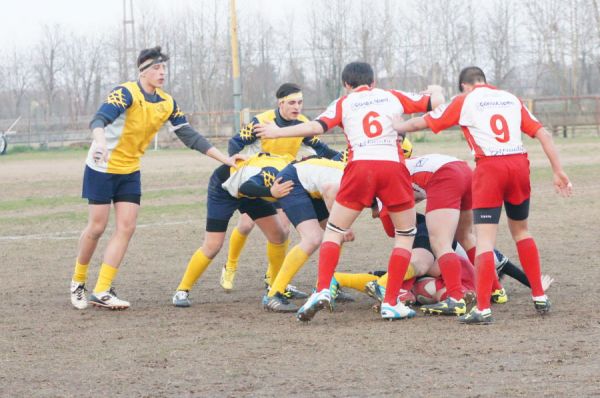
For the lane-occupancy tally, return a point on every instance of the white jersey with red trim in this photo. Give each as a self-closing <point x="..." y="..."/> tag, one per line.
<point x="365" y="115"/>
<point x="491" y="119"/>
<point x="315" y="173"/>
<point x="421" y="169"/>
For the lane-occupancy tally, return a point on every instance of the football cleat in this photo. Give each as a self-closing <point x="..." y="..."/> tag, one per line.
<point x="278" y="303"/>
<point x="227" y="277"/>
<point x="337" y="295"/>
<point x="476" y="317"/>
<point x="181" y="299"/>
<point x="78" y="297"/>
<point x="450" y="306"/>
<point x="499" y="296"/>
<point x="375" y="291"/>
<point x="542" y="305"/>
<point x="292" y="292"/>
<point x="315" y="303"/>
<point x="108" y="299"/>
<point x="398" y="311"/>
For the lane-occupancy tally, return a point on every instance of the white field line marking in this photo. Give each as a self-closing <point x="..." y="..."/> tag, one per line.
<point x="75" y="234"/>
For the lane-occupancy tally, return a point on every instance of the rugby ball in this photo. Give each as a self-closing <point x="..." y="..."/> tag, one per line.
<point x="429" y="290"/>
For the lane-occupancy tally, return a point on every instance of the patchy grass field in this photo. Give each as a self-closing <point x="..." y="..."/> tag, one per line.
<point x="225" y="345"/>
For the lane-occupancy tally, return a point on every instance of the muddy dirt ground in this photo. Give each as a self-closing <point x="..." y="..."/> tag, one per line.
<point x="226" y="345"/>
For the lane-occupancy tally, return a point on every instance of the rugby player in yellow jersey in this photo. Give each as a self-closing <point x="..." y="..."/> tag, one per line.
<point x="288" y="113"/>
<point x="123" y="127"/>
<point x="316" y="182"/>
<point x="251" y="188"/>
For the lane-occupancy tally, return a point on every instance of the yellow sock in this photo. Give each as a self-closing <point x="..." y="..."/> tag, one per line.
<point x="275" y="256"/>
<point x="410" y="273"/>
<point x="80" y="273"/>
<point x="197" y="265"/>
<point x="105" y="278"/>
<point x="292" y="263"/>
<point x="236" y="244"/>
<point x="354" y="281"/>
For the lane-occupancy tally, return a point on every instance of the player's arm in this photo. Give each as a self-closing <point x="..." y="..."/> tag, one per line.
<point x="562" y="185"/>
<point x="330" y="118"/>
<point x="442" y="117"/>
<point x="117" y="102"/>
<point x="408" y="126"/>
<point x="271" y="130"/>
<point x="245" y="137"/>
<point x="258" y="186"/>
<point x="321" y="149"/>
<point x="194" y="140"/>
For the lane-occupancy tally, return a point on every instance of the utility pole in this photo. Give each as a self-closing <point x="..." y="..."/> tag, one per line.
<point x="235" y="60"/>
<point x="128" y="51"/>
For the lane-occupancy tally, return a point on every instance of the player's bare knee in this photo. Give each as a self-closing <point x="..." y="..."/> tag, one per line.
<point x="95" y="230"/>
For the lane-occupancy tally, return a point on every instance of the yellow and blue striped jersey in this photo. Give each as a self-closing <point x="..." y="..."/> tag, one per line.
<point x="261" y="169"/>
<point x="247" y="140"/>
<point x="132" y="118"/>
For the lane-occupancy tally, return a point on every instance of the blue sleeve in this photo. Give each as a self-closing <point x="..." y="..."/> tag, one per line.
<point x="320" y="147"/>
<point x="260" y="184"/>
<point x="177" y="117"/>
<point x="245" y="137"/>
<point x="117" y="101"/>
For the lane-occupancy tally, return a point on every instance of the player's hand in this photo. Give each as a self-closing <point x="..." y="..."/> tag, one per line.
<point x="266" y="130"/>
<point x="100" y="152"/>
<point x="233" y="159"/>
<point x="433" y="89"/>
<point x="562" y="185"/>
<point x="349" y="236"/>
<point x="546" y="281"/>
<point x="279" y="189"/>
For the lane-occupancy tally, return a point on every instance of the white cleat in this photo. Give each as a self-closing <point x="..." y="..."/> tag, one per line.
<point x="108" y="299"/>
<point x="181" y="298"/>
<point x="78" y="297"/>
<point x="398" y="311"/>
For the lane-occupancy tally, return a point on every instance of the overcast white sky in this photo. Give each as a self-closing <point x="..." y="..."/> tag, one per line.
<point x="22" y="20"/>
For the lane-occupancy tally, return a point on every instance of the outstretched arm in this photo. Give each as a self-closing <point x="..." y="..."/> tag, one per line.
<point x="408" y="126"/>
<point x="271" y="130"/>
<point x="562" y="185"/>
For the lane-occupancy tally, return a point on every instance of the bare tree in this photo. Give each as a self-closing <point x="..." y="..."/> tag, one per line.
<point x="49" y="64"/>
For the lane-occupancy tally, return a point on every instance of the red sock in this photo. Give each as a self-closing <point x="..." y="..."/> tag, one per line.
<point x="496" y="285"/>
<point x="485" y="274"/>
<point x="329" y="255"/>
<point x="396" y="270"/>
<point x="530" y="260"/>
<point x="440" y="287"/>
<point x="471" y="255"/>
<point x="467" y="274"/>
<point x="408" y="284"/>
<point x="450" y="268"/>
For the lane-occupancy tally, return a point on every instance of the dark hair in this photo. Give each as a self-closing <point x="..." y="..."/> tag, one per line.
<point x="470" y="75"/>
<point x="357" y="73"/>
<point x="286" y="89"/>
<point x="151" y="53"/>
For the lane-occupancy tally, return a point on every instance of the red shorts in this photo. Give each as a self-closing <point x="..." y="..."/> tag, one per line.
<point x="364" y="180"/>
<point x="450" y="187"/>
<point x="501" y="178"/>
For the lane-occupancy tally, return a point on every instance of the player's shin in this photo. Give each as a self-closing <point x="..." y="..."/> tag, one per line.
<point x="195" y="268"/>
<point x="485" y="273"/>
<point x="398" y="264"/>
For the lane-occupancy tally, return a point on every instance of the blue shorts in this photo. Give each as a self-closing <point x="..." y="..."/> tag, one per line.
<point x="298" y="205"/>
<point x="221" y="205"/>
<point x="104" y="188"/>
